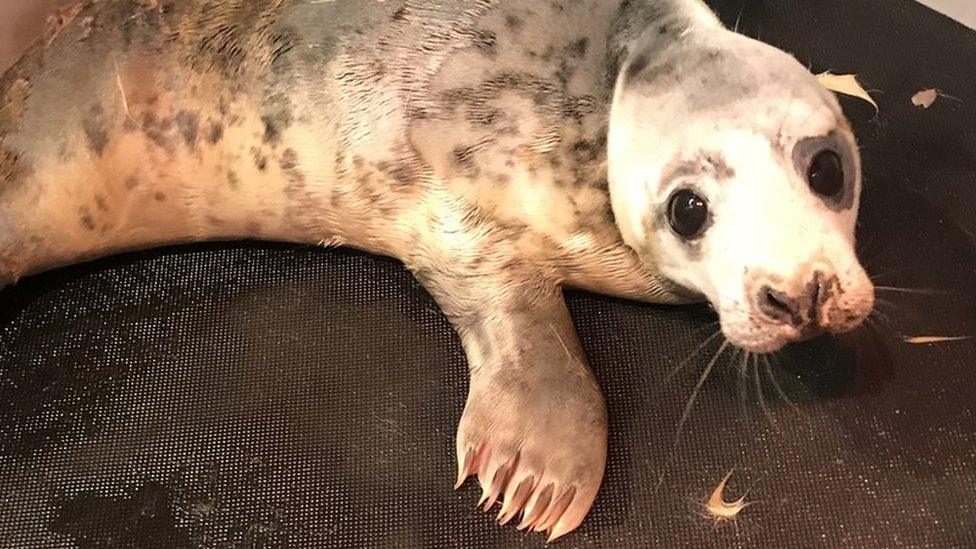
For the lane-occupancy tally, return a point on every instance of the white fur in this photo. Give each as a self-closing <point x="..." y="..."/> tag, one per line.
<point x="766" y="222"/>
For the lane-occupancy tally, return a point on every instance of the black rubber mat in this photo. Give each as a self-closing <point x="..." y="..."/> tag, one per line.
<point x="260" y="395"/>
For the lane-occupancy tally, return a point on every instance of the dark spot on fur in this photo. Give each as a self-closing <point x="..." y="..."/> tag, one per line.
<point x="96" y="133"/>
<point x="720" y="167"/>
<point x="159" y="196"/>
<point x="585" y="151"/>
<point x="400" y="14"/>
<point x="703" y="163"/>
<point x="289" y="160"/>
<point x="464" y="160"/>
<point x="403" y="173"/>
<point x="294" y="178"/>
<point x="514" y="23"/>
<point x="216" y="132"/>
<point x="157" y="131"/>
<point x="87" y="221"/>
<point x="131" y="182"/>
<point x="564" y="73"/>
<point x="100" y="203"/>
<point x="636" y="66"/>
<point x="274" y="125"/>
<point x="485" y="42"/>
<point x="578" y="48"/>
<point x="189" y="125"/>
<point x="260" y="160"/>
<point x="270" y="129"/>
<point x="232" y="179"/>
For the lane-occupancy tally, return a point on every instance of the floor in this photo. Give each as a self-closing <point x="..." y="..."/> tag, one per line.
<point x="963" y="11"/>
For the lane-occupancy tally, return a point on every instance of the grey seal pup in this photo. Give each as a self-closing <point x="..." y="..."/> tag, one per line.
<point x="502" y="149"/>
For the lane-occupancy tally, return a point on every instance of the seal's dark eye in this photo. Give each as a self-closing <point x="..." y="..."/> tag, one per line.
<point x="687" y="213"/>
<point x="826" y="174"/>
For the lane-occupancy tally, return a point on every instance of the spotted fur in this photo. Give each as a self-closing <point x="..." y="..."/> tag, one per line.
<point x="502" y="149"/>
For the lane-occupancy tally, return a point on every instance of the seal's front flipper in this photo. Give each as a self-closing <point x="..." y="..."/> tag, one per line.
<point x="534" y="429"/>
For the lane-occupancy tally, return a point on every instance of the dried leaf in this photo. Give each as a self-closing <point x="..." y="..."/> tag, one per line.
<point x="846" y="84"/>
<point x="925" y="98"/>
<point x="929" y="340"/>
<point x="718" y="508"/>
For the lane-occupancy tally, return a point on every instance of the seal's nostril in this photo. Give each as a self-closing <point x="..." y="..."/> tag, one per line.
<point x="818" y="293"/>
<point x="777" y="302"/>
<point x="821" y="289"/>
<point x="777" y="305"/>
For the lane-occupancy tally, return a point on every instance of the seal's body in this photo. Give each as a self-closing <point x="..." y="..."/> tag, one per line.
<point x="500" y="148"/>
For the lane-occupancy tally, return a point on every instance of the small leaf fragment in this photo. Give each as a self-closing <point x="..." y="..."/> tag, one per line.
<point x="718" y="508"/>
<point x="930" y="340"/>
<point x="925" y="98"/>
<point x="846" y="84"/>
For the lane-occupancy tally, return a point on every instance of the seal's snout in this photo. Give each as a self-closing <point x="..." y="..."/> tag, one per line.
<point x="804" y="309"/>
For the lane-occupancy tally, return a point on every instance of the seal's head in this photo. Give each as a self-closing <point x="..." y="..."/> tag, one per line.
<point x="735" y="174"/>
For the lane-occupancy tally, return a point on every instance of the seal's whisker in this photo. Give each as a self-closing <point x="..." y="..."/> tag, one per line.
<point x="919" y="291"/>
<point x="876" y="254"/>
<point x="881" y="302"/>
<point x="869" y="322"/>
<point x="866" y="245"/>
<point x="699" y="330"/>
<point x="759" y="393"/>
<point x="880" y="276"/>
<point x="738" y="18"/>
<point x="688" y="407"/>
<point x="697" y="389"/>
<point x="879" y="315"/>
<point x="694" y="353"/>
<point x="767" y="365"/>
<point x="742" y="382"/>
<point x="877" y="325"/>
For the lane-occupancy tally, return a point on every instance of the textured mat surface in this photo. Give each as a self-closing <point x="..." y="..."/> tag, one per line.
<point x="263" y="395"/>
